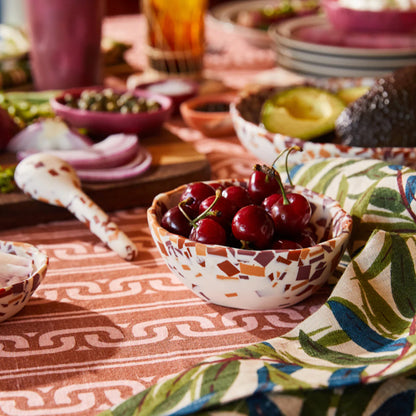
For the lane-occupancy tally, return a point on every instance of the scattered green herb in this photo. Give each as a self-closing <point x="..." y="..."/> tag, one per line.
<point x="7" y="183"/>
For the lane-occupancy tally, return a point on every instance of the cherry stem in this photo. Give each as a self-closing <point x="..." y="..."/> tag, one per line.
<point x="184" y="202"/>
<point x="204" y="214"/>
<point x="287" y="151"/>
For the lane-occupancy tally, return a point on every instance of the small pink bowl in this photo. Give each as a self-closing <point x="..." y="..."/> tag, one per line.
<point x="209" y="123"/>
<point x="104" y="123"/>
<point x="177" y="89"/>
<point x="351" y="20"/>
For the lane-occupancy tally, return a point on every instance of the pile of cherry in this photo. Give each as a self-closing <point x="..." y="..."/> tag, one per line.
<point x="261" y="215"/>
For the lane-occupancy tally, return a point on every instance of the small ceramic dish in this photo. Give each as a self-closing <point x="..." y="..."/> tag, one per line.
<point x="209" y="114"/>
<point x="353" y="20"/>
<point x="177" y="89"/>
<point x="252" y="279"/>
<point x="266" y="146"/>
<point x="104" y="123"/>
<point x="17" y="286"/>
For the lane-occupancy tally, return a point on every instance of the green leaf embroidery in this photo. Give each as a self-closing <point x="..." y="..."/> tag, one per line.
<point x="218" y="378"/>
<point x="284" y="379"/>
<point x="342" y="191"/>
<point x="403" y="276"/>
<point x="387" y="198"/>
<point x="316" y="350"/>
<point x="334" y="338"/>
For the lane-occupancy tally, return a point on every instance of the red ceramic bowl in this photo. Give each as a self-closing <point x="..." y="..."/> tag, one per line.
<point x="177" y="89"/>
<point x="104" y="123"/>
<point x="351" y="20"/>
<point x="209" y="123"/>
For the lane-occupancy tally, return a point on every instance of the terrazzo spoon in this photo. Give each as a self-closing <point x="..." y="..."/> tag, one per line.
<point x="50" y="179"/>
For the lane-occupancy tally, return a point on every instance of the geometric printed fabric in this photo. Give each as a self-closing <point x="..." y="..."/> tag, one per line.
<point x="356" y="354"/>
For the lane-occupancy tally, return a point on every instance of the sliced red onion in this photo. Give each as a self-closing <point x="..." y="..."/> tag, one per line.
<point x="140" y="164"/>
<point x="115" y="150"/>
<point x="48" y="134"/>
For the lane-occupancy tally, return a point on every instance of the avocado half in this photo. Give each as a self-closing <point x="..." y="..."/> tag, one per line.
<point x="303" y="112"/>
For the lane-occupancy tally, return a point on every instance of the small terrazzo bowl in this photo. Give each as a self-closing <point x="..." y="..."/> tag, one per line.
<point x="209" y="123"/>
<point x="250" y="279"/>
<point x="14" y="296"/>
<point x="104" y="123"/>
<point x="266" y="146"/>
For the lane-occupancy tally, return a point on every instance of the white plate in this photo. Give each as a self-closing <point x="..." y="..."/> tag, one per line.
<point x="226" y="13"/>
<point x="330" y="71"/>
<point x="361" y="62"/>
<point x="315" y="34"/>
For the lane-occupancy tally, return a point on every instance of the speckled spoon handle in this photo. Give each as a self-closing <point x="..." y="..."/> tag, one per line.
<point x="50" y="179"/>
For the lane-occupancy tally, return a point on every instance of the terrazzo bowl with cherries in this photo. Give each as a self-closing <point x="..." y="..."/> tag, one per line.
<point x="266" y="146"/>
<point x="252" y="279"/>
<point x="15" y="295"/>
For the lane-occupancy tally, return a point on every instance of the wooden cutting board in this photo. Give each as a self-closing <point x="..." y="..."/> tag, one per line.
<point x="175" y="162"/>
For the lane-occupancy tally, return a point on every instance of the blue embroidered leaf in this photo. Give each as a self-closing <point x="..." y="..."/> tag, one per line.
<point x="360" y="332"/>
<point x="264" y="377"/>
<point x="345" y="376"/>
<point x="410" y="189"/>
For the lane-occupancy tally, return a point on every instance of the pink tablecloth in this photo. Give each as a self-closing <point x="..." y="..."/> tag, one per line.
<point x="100" y="329"/>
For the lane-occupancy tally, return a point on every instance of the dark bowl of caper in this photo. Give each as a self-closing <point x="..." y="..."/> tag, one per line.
<point x="104" y="111"/>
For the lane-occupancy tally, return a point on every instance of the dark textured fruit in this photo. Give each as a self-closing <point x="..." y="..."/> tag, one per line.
<point x="383" y="117"/>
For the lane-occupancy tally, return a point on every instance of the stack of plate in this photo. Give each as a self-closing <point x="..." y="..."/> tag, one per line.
<point x="311" y="46"/>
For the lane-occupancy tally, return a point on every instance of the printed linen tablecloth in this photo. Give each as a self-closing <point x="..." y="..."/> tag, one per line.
<point x="101" y="335"/>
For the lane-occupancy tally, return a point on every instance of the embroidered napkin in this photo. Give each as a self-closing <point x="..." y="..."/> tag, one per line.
<point x="356" y="354"/>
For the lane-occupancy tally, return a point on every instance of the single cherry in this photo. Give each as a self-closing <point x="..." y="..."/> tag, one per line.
<point x="238" y="196"/>
<point x="262" y="183"/>
<point x="196" y="192"/>
<point x="208" y="231"/>
<point x="253" y="226"/>
<point x="176" y="222"/>
<point x="269" y="201"/>
<point x="291" y="213"/>
<point x="222" y="211"/>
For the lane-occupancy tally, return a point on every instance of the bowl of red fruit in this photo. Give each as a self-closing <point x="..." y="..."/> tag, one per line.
<point x="249" y="244"/>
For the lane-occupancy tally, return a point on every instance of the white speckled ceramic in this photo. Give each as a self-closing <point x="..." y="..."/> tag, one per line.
<point x="250" y="279"/>
<point x="14" y="297"/>
<point x="266" y="146"/>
